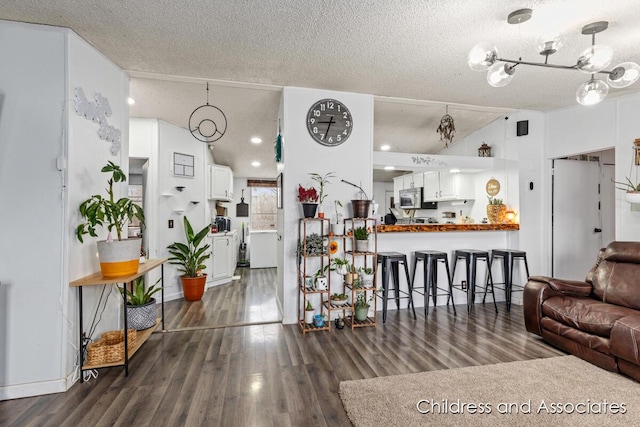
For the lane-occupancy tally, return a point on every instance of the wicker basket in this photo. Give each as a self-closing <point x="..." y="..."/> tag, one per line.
<point x="110" y="347"/>
<point x="496" y="213"/>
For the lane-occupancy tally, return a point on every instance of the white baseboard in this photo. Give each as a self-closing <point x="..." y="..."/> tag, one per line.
<point x="32" y="389"/>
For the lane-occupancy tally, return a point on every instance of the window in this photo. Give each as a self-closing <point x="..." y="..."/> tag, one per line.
<point x="264" y="208"/>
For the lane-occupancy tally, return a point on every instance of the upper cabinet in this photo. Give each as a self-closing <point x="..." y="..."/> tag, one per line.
<point x="445" y="186"/>
<point x="413" y="180"/>
<point x="220" y="183"/>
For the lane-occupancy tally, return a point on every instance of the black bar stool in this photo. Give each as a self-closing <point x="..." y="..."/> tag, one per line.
<point x="508" y="257"/>
<point x="430" y="260"/>
<point x="390" y="261"/>
<point x="471" y="257"/>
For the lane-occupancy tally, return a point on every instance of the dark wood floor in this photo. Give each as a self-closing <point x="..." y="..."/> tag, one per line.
<point x="250" y="299"/>
<point x="272" y="375"/>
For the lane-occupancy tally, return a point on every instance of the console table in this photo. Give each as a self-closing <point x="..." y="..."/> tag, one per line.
<point x="96" y="279"/>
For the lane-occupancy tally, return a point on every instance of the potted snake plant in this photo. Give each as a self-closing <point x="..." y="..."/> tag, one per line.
<point x="190" y="258"/>
<point x="141" y="306"/>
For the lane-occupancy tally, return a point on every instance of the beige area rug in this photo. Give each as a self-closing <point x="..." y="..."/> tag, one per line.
<point x="555" y="391"/>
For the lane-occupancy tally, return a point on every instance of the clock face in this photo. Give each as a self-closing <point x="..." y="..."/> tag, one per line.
<point x="329" y="122"/>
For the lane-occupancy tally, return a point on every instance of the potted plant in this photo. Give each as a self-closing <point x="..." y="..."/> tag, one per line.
<point x="117" y="257"/>
<point x="320" y="282"/>
<point x="309" y="199"/>
<point x="361" y="306"/>
<point x="360" y="206"/>
<point x="190" y="258"/>
<point x="322" y="181"/>
<point x="496" y="210"/>
<point x="339" y="299"/>
<point x="366" y="276"/>
<point x="632" y="190"/>
<point x="361" y="234"/>
<point x="141" y="307"/>
<point x="351" y="275"/>
<point x="340" y="265"/>
<point x="309" y="312"/>
<point x="337" y="227"/>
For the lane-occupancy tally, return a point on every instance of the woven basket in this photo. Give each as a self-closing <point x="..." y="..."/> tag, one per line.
<point x="110" y="347"/>
<point x="496" y="213"/>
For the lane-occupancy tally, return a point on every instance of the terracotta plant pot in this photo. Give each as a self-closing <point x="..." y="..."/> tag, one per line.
<point x="496" y="213"/>
<point x="193" y="287"/>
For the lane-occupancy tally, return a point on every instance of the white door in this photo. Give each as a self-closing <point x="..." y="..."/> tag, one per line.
<point x="607" y="204"/>
<point x="576" y="219"/>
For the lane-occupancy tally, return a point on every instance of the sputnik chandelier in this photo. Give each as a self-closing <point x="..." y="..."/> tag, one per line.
<point x="592" y="60"/>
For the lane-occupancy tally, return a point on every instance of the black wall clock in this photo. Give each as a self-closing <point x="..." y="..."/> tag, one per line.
<point x="329" y="122"/>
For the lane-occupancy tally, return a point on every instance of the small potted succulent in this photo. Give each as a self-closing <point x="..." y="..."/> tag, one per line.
<point x="309" y="312"/>
<point x="366" y="276"/>
<point x="361" y="234"/>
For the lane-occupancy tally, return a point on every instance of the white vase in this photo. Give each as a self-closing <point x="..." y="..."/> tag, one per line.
<point x="362" y="245"/>
<point x="367" y="280"/>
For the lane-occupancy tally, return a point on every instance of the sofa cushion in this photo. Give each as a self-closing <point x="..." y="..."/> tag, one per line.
<point x="571" y="339"/>
<point x="615" y="279"/>
<point x="625" y="339"/>
<point x="586" y="314"/>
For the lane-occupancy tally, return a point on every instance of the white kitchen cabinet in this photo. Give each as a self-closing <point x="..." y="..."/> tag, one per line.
<point x="414" y="180"/>
<point x="447" y="186"/>
<point x="220" y="183"/>
<point x="222" y="262"/>
<point x="398" y="185"/>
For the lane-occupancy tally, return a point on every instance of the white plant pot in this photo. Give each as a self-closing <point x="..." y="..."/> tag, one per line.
<point x="367" y="280"/>
<point x="337" y="229"/>
<point x="342" y="269"/>
<point x="119" y="258"/>
<point x="362" y="245"/>
<point x="321" y="283"/>
<point x="632" y="196"/>
<point x="308" y="316"/>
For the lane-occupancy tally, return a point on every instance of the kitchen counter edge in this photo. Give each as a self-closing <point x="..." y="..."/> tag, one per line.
<point x="421" y="228"/>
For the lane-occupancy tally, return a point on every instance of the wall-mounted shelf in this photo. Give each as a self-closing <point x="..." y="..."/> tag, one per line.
<point x="194" y="202"/>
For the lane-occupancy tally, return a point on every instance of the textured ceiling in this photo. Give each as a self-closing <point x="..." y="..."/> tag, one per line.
<point x="403" y="49"/>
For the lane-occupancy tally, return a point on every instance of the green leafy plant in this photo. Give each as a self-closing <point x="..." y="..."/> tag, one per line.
<point x="339" y="297"/>
<point x="361" y="233"/>
<point x="366" y="270"/>
<point x="362" y="301"/>
<point x="191" y="256"/>
<point x="314" y="245"/>
<point x="628" y="186"/>
<point x="322" y="182"/>
<point x="493" y="201"/>
<point x="105" y="211"/>
<point x="309" y="307"/>
<point x="140" y="296"/>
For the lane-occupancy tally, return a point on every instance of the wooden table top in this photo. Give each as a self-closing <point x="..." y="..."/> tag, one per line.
<point x="421" y="228"/>
<point x="97" y="279"/>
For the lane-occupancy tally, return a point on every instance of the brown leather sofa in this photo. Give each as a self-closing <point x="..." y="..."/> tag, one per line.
<point x="597" y="320"/>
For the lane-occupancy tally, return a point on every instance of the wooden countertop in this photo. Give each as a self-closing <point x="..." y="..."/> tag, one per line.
<point x="97" y="279"/>
<point x="421" y="228"/>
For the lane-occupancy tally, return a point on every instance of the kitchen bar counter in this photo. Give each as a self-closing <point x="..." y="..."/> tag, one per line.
<point x="421" y="228"/>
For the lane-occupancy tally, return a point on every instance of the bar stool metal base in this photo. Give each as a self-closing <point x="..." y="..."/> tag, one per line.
<point x="508" y="257"/>
<point x="430" y="260"/>
<point x="390" y="261"/>
<point x="471" y="257"/>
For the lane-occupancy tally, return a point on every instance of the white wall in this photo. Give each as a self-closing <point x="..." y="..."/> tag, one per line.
<point x="351" y="161"/>
<point x="158" y="140"/>
<point x="31" y="212"/>
<point x="87" y="154"/>
<point x="611" y="124"/>
<point x="523" y="164"/>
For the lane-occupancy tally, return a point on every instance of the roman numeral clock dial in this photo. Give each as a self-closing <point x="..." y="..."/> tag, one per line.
<point x="329" y="122"/>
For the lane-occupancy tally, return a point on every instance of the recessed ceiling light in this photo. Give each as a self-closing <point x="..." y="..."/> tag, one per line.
<point x="385" y="147"/>
<point x="131" y="101"/>
<point x="255" y="164"/>
<point x="454" y="170"/>
<point x="389" y="168"/>
<point x="256" y="140"/>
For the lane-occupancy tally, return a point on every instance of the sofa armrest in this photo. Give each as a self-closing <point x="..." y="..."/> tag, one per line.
<point x="564" y="286"/>
<point x="535" y="292"/>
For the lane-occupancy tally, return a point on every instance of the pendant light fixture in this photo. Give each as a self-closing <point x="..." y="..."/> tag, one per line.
<point x="592" y="60"/>
<point x="446" y="129"/>
<point x="207" y="123"/>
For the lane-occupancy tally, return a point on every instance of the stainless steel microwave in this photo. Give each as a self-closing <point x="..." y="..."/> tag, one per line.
<point x="411" y="198"/>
